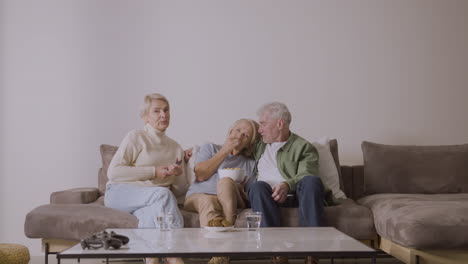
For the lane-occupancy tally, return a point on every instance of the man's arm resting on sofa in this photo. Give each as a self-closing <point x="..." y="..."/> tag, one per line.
<point x="75" y="196"/>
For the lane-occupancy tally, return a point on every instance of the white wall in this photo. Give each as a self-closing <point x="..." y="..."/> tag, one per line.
<point x="73" y="74"/>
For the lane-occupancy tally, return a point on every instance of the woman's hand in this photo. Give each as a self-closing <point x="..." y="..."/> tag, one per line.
<point x="188" y="154"/>
<point x="230" y="144"/>
<point x="175" y="170"/>
<point x="163" y="172"/>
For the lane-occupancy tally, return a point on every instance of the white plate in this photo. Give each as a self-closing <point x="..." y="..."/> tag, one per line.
<point x="219" y="228"/>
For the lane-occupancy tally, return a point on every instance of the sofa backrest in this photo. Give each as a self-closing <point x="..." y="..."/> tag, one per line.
<point x="353" y="177"/>
<point x="415" y="169"/>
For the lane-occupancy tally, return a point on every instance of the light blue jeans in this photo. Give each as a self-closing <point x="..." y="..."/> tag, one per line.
<point x="146" y="203"/>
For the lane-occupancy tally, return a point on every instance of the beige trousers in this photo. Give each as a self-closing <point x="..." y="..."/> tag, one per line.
<point x="223" y="204"/>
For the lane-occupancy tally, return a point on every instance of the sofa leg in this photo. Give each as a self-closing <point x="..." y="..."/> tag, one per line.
<point x="46" y="253"/>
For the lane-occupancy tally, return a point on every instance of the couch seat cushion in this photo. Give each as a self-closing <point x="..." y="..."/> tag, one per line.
<point x="74" y="221"/>
<point x="77" y="221"/>
<point x="421" y="221"/>
<point x="348" y="217"/>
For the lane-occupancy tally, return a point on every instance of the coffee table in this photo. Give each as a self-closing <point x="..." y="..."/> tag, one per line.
<point x="321" y="242"/>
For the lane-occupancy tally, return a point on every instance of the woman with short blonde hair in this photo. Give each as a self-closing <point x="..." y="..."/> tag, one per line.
<point x="146" y="173"/>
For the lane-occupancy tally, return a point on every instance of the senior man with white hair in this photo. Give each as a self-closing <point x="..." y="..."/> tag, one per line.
<point x="285" y="163"/>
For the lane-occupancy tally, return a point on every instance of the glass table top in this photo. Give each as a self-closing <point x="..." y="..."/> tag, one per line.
<point x="200" y="242"/>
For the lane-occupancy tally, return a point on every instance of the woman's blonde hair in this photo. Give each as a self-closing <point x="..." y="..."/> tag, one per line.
<point x="254" y="125"/>
<point x="145" y="107"/>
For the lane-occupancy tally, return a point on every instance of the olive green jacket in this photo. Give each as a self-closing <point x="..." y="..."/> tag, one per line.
<point x="296" y="159"/>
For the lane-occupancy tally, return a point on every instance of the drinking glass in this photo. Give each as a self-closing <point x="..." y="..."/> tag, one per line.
<point x="164" y="221"/>
<point x="253" y="220"/>
<point x="160" y="222"/>
<point x="168" y="221"/>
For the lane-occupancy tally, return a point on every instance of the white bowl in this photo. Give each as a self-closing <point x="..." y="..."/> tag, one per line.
<point x="234" y="173"/>
<point x="218" y="228"/>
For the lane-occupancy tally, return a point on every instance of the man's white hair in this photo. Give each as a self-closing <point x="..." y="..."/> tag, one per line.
<point x="276" y="110"/>
<point x="145" y="107"/>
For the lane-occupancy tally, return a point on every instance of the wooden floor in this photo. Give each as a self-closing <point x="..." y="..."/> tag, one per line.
<point x="52" y="260"/>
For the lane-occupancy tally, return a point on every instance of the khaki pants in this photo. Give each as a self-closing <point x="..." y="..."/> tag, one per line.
<point x="224" y="204"/>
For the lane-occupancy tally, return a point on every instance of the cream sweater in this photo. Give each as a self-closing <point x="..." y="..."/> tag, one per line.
<point x="140" y="152"/>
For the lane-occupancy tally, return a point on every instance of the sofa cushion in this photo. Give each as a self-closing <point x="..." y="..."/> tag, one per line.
<point x="415" y="169"/>
<point x="421" y="221"/>
<point x="328" y="168"/>
<point x="190" y="219"/>
<point x="107" y="153"/>
<point x="74" y="221"/>
<point x="77" y="221"/>
<point x="75" y="196"/>
<point x="348" y="217"/>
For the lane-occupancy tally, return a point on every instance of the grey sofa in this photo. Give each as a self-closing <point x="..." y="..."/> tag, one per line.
<point x="77" y="213"/>
<point x="419" y="199"/>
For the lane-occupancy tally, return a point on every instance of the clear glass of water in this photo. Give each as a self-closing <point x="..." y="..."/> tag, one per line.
<point x="168" y="220"/>
<point x="253" y="220"/>
<point x="160" y="222"/>
<point x="164" y="221"/>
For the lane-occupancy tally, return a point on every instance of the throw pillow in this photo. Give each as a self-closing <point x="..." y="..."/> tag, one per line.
<point x="328" y="171"/>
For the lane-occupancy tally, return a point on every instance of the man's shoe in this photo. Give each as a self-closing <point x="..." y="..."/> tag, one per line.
<point x="279" y="260"/>
<point x="219" y="260"/>
<point x="311" y="260"/>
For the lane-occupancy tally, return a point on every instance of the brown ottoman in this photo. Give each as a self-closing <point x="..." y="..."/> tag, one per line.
<point x="14" y="254"/>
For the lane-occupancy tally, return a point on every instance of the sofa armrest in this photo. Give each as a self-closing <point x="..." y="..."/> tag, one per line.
<point x="75" y="196"/>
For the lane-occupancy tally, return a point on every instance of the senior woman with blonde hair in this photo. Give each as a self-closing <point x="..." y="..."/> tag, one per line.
<point x="146" y="172"/>
<point x="216" y="199"/>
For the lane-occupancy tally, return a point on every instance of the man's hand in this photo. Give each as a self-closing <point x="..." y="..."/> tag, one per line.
<point x="280" y="192"/>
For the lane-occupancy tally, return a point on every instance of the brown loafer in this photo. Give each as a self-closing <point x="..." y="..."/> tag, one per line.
<point x="311" y="260"/>
<point x="280" y="260"/>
